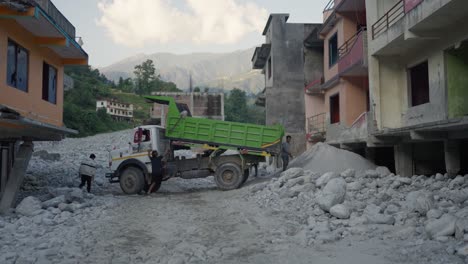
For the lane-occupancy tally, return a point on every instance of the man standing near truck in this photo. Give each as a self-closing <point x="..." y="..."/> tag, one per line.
<point x="286" y="152"/>
<point x="87" y="172"/>
<point x="157" y="170"/>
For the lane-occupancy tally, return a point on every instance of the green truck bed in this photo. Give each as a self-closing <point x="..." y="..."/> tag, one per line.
<point x="220" y="133"/>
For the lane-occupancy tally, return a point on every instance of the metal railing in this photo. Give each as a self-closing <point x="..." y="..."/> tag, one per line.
<point x="329" y="6"/>
<point x="391" y="17"/>
<point x="316" y="124"/>
<point x="57" y="16"/>
<point x="313" y="84"/>
<point x="349" y="44"/>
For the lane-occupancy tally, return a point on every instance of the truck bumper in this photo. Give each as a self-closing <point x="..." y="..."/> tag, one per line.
<point x="112" y="177"/>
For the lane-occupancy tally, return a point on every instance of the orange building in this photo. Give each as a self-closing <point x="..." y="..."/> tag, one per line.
<point x="344" y="87"/>
<point x="36" y="42"/>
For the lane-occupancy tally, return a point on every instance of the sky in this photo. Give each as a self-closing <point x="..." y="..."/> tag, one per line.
<point x="113" y="30"/>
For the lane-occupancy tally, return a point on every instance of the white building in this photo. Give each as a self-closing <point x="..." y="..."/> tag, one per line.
<point x="118" y="110"/>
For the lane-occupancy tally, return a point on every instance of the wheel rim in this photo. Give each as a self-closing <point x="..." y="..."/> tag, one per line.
<point x="228" y="176"/>
<point x="129" y="181"/>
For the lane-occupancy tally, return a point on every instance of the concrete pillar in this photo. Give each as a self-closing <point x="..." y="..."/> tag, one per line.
<point x="370" y="154"/>
<point x="404" y="159"/>
<point x="16" y="176"/>
<point x="4" y="171"/>
<point x="452" y="157"/>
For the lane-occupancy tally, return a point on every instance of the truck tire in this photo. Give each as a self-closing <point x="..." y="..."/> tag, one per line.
<point x="229" y="176"/>
<point x="132" y="180"/>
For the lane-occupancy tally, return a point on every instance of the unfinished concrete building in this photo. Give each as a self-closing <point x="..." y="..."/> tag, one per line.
<point x="339" y="98"/>
<point x="418" y="68"/>
<point x="204" y="105"/>
<point x="281" y="59"/>
<point x="36" y="42"/>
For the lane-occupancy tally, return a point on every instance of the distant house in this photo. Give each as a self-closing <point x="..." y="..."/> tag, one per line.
<point x="36" y="42"/>
<point x="117" y="110"/>
<point x="203" y="105"/>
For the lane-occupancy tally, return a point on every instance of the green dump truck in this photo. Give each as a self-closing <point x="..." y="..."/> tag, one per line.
<point x="193" y="148"/>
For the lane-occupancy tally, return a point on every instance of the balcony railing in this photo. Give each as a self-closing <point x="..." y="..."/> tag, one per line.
<point x="344" y="49"/>
<point x="314" y="86"/>
<point x="329" y="6"/>
<point x="316" y="124"/>
<point x="391" y="17"/>
<point x="58" y="17"/>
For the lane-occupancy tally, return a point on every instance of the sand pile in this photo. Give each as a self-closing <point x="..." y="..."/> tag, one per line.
<point x="324" y="158"/>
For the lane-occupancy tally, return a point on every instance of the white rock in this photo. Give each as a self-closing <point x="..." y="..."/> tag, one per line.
<point x="404" y="180"/>
<point x="349" y="173"/>
<point x="322" y="227"/>
<point x="380" y="219"/>
<point x="325" y="178"/>
<point x="434" y="214"/>
<point x="458" y="181"/>
<point x="54" y="202"/>
<point x="463" y="251"/>
<point x="29" y="206"/>
<point x="372" y="174"/>
<point x="461" y="225"/>
<point x="340" y="211"/>
<point x="333" y="193"/>
<point x="392" y="209"/>
<point x="66" y="207"/>
<point x="445" y="226"/>
<point x="420" y="201"/>
<point x="354" y="186"/>
<point x="77" y="195"/>
<point x="383" y="171"/>
<point x="291" y="174"/>
<point x="439" y="177"/>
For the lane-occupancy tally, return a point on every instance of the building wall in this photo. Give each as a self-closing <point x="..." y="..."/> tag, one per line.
<point x="30" y="104"/>
<point x="457" y="80"/>
<point x="200" y="104"/>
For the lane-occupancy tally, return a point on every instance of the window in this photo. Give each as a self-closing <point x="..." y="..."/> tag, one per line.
<point x="49" y="83"/>
<point x="335" y="109"/>
<point x="17" y="66"/>
<point x="269" y="68"/>
<point x="102" y="103"/>
<point x="419" y="84"/>
<point x="333" y="50"/>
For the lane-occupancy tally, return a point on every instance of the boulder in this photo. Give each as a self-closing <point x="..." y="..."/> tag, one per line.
<point x="461" y="225"/>
<point x="380" y="219"/>
<point x="76" y="195"/>
<point x="340" y="211"/>
<point x="325" y="178"/>
<point x="457" y="182"/>
<point x="404" y="180"/>
<point x="29" y="206"/>
<point x="54" y="202"/>
<point x="463" y="251"/>
<point x="371" y="174"/>
<point x="333" y="193"/>
<point x="349" y="173"/>
<point x="439" y="177"/>
<point x="291" y="174"/>
<point x="383" y="171"/>
<point x="434" y="214"/>
<point x="445" y="226"/>
<point x="420" y="201"/>
<point x="354" y="186"/>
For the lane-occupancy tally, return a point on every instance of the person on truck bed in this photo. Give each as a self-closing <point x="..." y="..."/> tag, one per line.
<point x="157" y="170"/>
<point x="286" y="152"/>
<point x="87" y="172"/>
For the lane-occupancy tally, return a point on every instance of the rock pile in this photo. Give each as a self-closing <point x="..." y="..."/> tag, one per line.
<point x="375" y="203"/>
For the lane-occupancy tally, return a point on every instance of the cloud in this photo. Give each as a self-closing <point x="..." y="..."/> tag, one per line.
<point x="135" y="23"/>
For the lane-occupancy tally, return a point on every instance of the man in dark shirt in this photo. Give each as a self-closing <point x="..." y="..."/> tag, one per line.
<point x="286" y="152"/>
<point x="157" y="170"/>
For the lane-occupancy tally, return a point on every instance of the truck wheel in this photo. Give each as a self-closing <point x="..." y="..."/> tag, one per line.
<point x="132" y="180"/>
<point x="229" y="176"/>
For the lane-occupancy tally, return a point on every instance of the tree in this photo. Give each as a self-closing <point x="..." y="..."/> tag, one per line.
<point x="207" y="90"/>
<point x="196" y="90"/>
<point x="145" y="74"/>
<point x="236" y="106"/>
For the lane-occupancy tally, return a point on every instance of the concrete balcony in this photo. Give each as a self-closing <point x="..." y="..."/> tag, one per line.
<point x="353" y="59"/>
<point x="49" y="28"/>
<point x="411" y="23"/>
<point x="357" y="133"/>
<point x="260" y="56"/>
<point x="57" y="17"/>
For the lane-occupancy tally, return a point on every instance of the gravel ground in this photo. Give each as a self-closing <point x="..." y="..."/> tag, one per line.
<point x="300" y="217"/>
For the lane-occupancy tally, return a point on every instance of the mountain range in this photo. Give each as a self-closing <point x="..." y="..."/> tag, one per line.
<point x="213" y="70"/>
